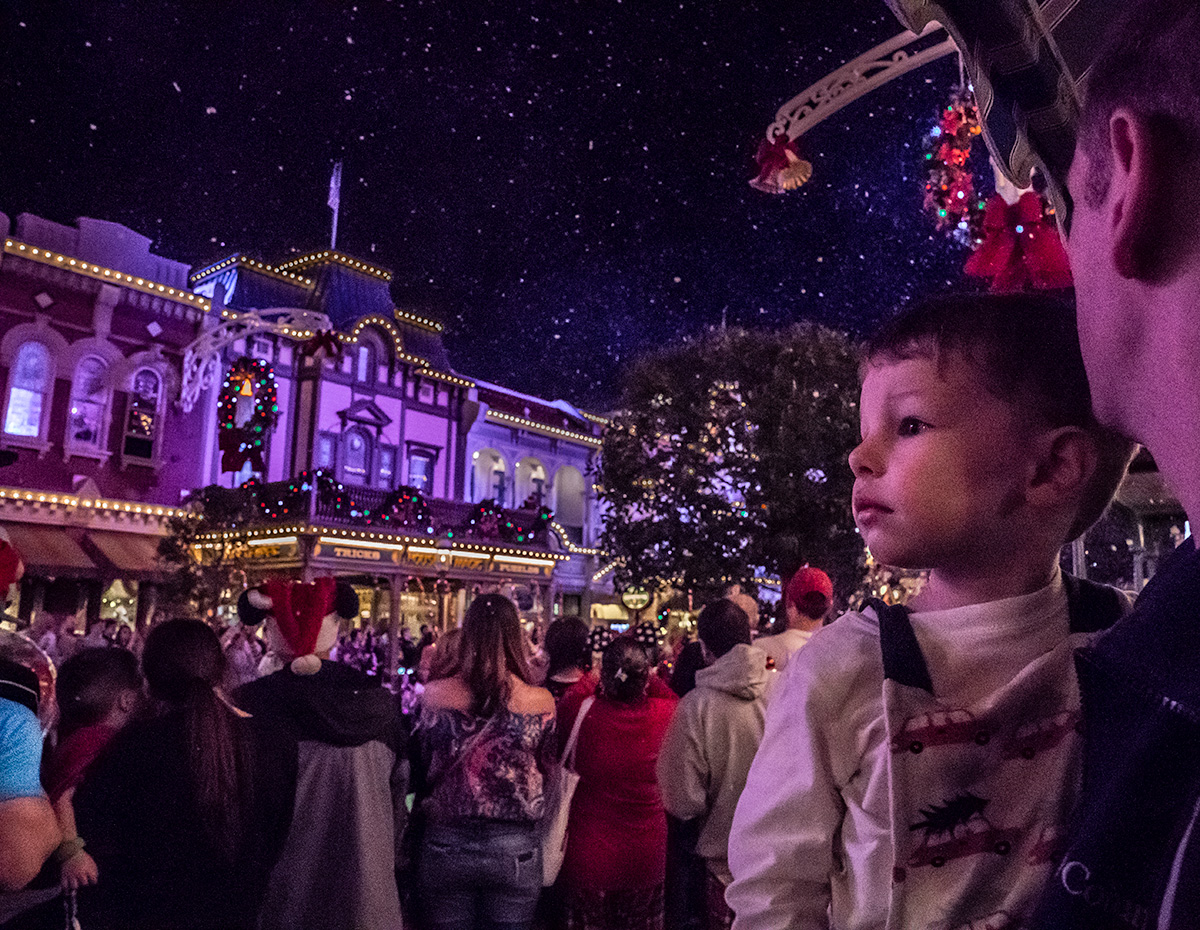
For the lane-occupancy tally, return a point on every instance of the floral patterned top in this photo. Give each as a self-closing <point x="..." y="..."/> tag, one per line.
<point x="491" y="768"/>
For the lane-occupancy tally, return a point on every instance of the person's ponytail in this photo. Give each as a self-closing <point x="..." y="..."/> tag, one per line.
<point x="184" y="665"/>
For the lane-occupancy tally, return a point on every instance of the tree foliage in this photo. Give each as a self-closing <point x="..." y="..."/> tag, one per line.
<point x="201" y="575"/>
<point x="729" y="456"/>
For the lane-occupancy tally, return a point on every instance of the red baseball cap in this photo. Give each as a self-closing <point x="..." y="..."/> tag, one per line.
<point x="808" y="581"/>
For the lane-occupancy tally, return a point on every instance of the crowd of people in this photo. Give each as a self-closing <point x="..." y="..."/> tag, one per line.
<point x="1013" y="747"/>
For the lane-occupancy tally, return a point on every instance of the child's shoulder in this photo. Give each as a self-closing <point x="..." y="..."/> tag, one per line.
<point x="841" y="657"/>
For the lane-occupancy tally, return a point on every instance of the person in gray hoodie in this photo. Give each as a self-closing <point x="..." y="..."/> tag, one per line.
<point x="712" y="739"/>
<point x="337" y="870"/>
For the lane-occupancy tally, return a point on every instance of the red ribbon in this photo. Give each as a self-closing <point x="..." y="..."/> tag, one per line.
<point x="1021" y="248"/>
<point x="324" y="339"/>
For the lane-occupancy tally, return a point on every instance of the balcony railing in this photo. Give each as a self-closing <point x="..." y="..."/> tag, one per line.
<point x="326" y="502"/>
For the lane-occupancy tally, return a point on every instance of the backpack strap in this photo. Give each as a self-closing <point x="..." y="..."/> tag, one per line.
<point x="1093" y="607"/>
<point x="903" y="661"/>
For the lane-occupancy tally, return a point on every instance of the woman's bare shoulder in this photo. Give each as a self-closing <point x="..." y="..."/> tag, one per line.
<point x="447" y="693"/>
<point x="529" y="699"/>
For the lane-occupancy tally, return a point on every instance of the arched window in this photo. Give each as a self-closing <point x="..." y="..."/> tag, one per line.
<point x="531" y="483"/>
<point x="87" y="422"/>
<point x="569" y="496"/>
<point x="356" y="456"/>
<point x="142" y="421"/>
<point x="489" y="477"/>
<point x="30" y="381"/>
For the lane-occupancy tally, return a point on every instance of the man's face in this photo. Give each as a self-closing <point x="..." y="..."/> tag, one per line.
<point x="1106" y="326"/>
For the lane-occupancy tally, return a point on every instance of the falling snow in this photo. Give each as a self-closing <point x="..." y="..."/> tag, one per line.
<point x="563" y="185"/>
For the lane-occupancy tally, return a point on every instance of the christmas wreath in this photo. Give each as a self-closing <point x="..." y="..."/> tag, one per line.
<point x="250" y="382"/>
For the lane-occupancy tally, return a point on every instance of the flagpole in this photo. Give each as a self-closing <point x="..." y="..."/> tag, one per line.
<point x="335" y="200"/>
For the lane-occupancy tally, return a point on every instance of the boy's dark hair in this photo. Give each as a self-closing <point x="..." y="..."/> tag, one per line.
<point x="1148" y="62"/>
<point x="89" y="684"/>
<point x="1025" y="349"/>
<point x="723" y="625"/>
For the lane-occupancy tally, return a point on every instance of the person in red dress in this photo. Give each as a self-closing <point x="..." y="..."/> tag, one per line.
<point x="615" y="861"/>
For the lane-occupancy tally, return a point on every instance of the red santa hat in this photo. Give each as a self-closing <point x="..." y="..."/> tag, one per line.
<point x="300" y="623"/>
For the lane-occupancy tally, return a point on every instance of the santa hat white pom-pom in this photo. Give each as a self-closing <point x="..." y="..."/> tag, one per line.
<point x="258" y="599"/>
<point x="306" y="665"/>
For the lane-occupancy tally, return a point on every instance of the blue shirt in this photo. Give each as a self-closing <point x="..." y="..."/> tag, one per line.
<point x="20" y="752"/>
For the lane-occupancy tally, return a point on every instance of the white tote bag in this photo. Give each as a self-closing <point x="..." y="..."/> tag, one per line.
<point x="554" y="839"/>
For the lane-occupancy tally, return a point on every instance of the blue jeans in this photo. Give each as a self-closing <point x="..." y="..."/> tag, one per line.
<point x="479" y="875"/>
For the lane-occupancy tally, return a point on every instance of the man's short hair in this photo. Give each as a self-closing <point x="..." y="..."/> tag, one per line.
<point x="723" y="625"/>
<point x="1149" y="62"/>
<point x="1025" y="349"/>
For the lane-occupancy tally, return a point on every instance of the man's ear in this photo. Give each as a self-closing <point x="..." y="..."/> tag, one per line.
<point x="1138" y="203"/>
<point x="1067" y="462"/>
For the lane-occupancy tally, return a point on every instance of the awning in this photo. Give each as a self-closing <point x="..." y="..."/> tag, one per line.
<point x="50" y="550"/>
<point x="131" y="555"/>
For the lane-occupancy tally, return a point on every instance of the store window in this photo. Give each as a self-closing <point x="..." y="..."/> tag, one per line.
<point x="326" y="451"/>
<point x="356" y="456"/>
<point x="420" y="470"/>
<point x="89" y="405"/>
<point x="387" y="466"/>
<point x="142" y="420"/>
<point x="32" y="377"/>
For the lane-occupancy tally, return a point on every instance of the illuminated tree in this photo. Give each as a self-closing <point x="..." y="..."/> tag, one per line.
<point x="729" y="457"/>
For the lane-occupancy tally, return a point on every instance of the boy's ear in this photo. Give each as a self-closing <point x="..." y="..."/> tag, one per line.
<point x="127" y="700"/>
<point x="1067" y="461"/>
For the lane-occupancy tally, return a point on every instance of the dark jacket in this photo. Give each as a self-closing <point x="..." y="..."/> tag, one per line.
<point x="138" y="812"/>
<point x="337" y="869"/>
<point x="1133" y="860"/>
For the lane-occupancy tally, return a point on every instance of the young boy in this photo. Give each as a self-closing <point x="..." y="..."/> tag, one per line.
<point x="99" y="690"/>
<point x="919" y="764"/>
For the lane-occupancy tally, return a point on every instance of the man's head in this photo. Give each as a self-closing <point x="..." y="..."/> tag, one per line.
<point x="807" y="597"/>
<point x="721" y="626"/>
<point x="978" y="432"/>
<point x="1134" y="234"/>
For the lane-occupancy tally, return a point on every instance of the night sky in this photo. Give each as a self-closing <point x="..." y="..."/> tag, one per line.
<point x="563" y="184"/>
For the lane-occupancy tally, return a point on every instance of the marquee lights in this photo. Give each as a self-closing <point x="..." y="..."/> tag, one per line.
<point x="51" y="499"/>
<point x="442" y="376"/>
<point x="240" y="259"/>
<point x="100" y="273"/>
<point x="607" y="568"/>
<point x="386" y="324"/>
<point x="571" y="547"/>
<point x="405" y="316"/>
<point x="332" y="536"/>
<point x="507" y="418"/>
<point x="596" y="418"/>
<point x="316" y="258"/>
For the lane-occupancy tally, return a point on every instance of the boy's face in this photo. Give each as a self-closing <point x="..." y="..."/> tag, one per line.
<point x="942" y="466"/>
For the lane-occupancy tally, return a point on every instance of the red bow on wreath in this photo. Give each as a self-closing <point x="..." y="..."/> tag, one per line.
<point x="235" y="452"/>
<point x="780" y="167"/>
<point x="1021" y="248"/>
<point x="324" y="339"/>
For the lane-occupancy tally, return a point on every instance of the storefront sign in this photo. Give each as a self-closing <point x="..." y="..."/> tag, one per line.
<point x="635" y="598"/>
<point x="261" y="551"/>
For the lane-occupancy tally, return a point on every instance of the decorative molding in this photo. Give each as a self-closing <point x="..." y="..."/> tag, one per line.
<point x="886" y="61"/>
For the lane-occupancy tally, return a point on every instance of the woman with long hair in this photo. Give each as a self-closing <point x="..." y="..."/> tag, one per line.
<point x="185" y="812"/>
<point x="615" y="863"/>
<point x="484" y="746"/>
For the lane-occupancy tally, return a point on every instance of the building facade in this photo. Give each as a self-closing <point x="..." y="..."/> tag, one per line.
<point x="347" y="441"/>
